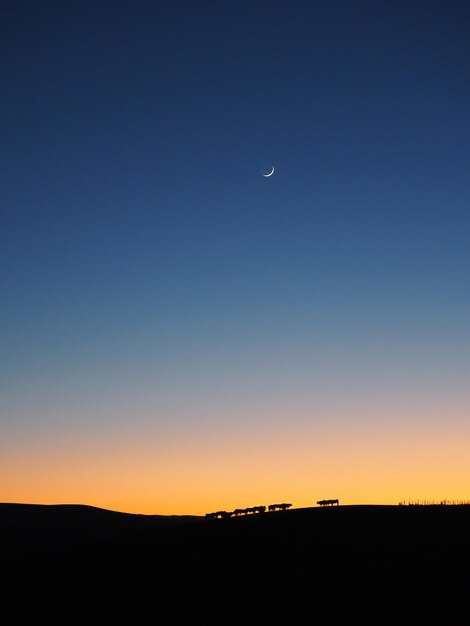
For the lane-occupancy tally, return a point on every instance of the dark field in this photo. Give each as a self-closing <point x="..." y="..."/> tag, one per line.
<point x="381" y="564"/>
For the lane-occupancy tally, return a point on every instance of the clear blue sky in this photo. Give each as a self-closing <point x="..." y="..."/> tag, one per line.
<point x="151" y="276"/>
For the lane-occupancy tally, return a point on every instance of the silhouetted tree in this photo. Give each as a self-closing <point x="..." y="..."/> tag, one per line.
<point x="279" y="507"/>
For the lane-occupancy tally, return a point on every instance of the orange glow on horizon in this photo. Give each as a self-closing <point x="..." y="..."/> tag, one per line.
<point x="199" y="472"/>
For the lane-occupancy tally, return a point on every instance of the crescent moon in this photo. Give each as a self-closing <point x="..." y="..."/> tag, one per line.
<point x="270" y="173"/>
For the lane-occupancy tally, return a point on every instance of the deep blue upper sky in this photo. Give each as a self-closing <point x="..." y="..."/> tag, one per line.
<point x="138" y="234"/>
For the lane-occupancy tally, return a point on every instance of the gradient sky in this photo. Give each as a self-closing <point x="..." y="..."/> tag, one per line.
<point x="180" y="334"/>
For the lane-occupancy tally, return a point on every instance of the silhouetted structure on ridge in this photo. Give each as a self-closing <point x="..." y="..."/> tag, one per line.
<point x="219" y="514"/>
<point x="279" y="507"/>
<point x="283" y="506"/>
<point x="247" y="511"/>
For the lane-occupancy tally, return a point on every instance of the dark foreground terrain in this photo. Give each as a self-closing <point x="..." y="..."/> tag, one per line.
<point x="381" y="564"/>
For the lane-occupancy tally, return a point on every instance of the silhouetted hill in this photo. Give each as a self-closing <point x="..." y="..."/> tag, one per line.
<point x="383" y="564"/>
<point x="32" y="526"/>
<point x="78" y="516"/>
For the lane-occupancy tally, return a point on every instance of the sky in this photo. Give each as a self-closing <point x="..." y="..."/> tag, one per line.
<point x="181" y="334"/>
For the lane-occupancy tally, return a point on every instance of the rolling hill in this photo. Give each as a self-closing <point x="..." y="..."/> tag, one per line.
<point x="383" y="563"/>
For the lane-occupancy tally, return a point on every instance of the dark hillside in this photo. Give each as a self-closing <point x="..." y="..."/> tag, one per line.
<point x="69" y="523"/>
<point x="296" y="567"/>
